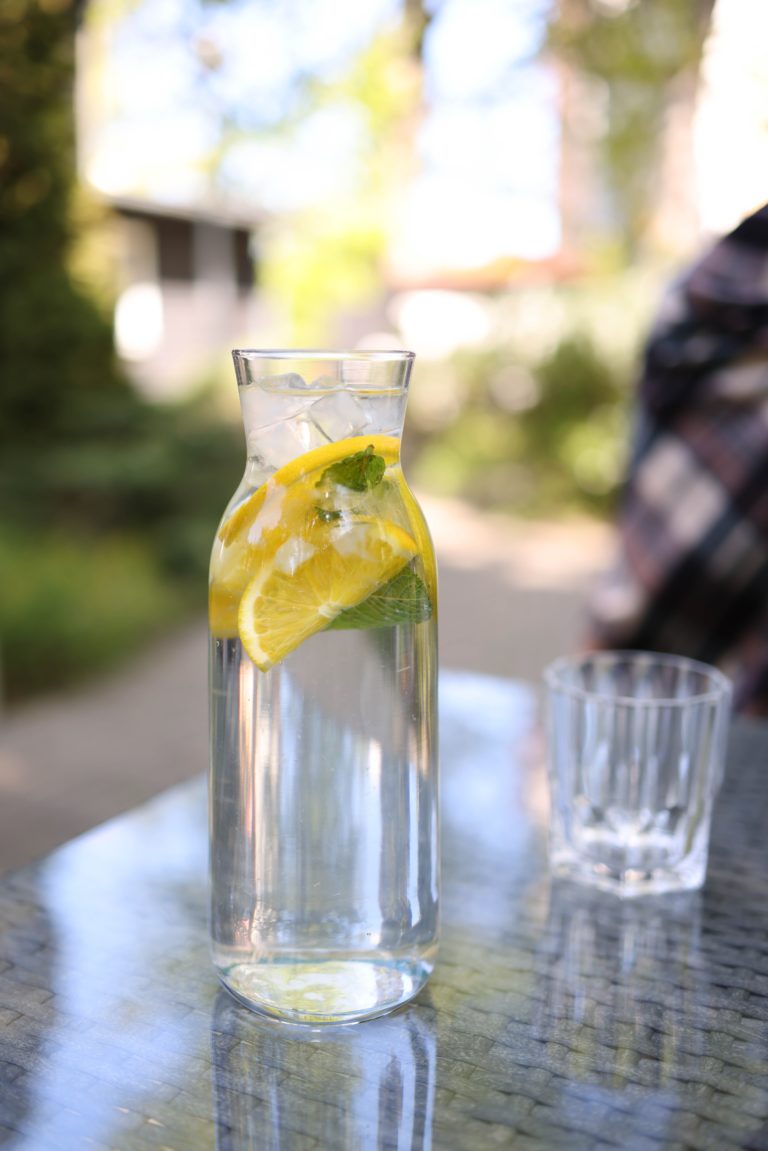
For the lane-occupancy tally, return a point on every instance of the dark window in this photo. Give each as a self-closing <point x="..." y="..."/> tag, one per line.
<point x="174" y="245"/>
<point x="245" y="270"/>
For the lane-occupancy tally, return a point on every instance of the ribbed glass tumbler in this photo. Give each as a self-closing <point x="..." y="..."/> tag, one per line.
<point x="637" y="746"/>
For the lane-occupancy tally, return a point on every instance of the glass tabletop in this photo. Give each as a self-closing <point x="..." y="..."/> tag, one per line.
<point x="556" y="1017"/>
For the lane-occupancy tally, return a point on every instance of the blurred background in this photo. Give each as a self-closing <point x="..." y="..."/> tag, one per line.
<point x="502" y="186"/>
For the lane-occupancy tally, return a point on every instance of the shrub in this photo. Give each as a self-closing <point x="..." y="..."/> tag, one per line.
<point x="73" y="606"/>
<point x="533" y="438"/>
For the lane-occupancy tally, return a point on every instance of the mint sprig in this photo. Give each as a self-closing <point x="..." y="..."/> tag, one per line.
<point x="403" y="599"/>
<point x="360" y="471"/>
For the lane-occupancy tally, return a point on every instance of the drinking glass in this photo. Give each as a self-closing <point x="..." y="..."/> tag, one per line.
<point x="323" y="672"/>
<point x="637" y="746"/>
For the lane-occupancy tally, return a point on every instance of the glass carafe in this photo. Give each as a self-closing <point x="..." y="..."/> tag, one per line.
<point x="323" y="682"/>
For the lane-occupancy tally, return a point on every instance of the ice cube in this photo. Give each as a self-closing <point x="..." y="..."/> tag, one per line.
<point x="276" y="444"/>
<point x="385" y="411"/>
<point x="262" y="406"/>
<point x="287" y="382"/>
<point x="338" y="415"/>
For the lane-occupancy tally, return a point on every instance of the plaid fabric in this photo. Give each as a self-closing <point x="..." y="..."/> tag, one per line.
<point x="692" y="574"/>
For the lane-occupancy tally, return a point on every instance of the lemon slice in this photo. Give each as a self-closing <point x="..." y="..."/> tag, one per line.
<point x="418" y="525"/>
<point x="223" y="605"/>
<point x="306" y="468"/>
<point x="308" y="581"/>
<point x="279" y="510"/>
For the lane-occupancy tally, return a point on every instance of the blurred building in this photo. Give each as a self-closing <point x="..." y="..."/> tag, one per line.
<point x="183" y="262"/>
<point x="187" y="290"/>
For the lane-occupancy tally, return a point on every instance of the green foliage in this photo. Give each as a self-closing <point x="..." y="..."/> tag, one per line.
<point x="327" y="259"/>
<point x="165" y="471"/>
<point x="536" y="421"/>
<point x="642" y="55"/>
<point x="107" y="505"/>
<point x="74" y="606"/>
<point x="36" y="134"/>
<point x="106" y="534"/>
<point x="55" y="346"/>
<point x="538" y="439"/>
<point x="322" y="264"/>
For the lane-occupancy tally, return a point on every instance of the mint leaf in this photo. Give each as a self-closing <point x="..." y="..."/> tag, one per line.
<point x="360" y="472"/>
<point x="403" y="599"/>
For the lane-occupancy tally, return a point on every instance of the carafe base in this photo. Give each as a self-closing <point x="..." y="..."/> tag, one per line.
<point x="328" y="990"/>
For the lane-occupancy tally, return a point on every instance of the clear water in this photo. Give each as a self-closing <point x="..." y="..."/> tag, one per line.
<point x="323" y="793"/>
<point x="324" y="823"/>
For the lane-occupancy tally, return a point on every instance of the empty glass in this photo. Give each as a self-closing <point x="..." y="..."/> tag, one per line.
<point x="636" y="752"/>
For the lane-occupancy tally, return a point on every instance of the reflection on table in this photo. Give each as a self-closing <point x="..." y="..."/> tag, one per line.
<point x="557" y="1017"/>
<point x="270" y="1081"/>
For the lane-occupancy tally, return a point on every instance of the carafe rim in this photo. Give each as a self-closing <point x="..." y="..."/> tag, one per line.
<point x="382" y="356"/>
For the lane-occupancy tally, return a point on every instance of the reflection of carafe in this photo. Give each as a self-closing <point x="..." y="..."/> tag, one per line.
<point x="355" y="1088"/>
<point x="622" y="974"/>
